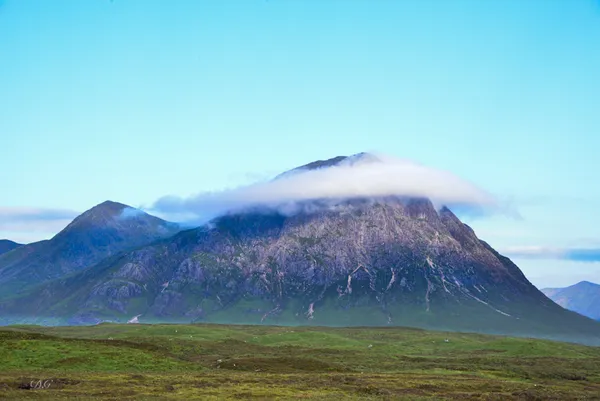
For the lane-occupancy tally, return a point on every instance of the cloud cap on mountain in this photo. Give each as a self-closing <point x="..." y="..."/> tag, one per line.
<point x="359" y="176"/>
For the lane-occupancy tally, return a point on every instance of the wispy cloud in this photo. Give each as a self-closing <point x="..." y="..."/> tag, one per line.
<point x="131" y="212"/>
<point x="377" y="176"/>
<point x="34" y="214"/>
<point x="591" y="254"/>
<point x="33" y="223"/>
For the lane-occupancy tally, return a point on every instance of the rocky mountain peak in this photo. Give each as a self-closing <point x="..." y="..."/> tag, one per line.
<point x="362" y="157"/>
<point x="100" y="214"/>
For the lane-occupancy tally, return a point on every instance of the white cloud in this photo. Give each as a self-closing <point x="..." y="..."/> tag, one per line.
<point x="533" y="252"/>
<point x="131" y="212"/>
<point x="360" y="176"/>
<point x="575" y="254"/>
<point x="32" y="224"/>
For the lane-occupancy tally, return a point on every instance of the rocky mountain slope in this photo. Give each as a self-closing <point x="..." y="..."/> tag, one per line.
<point x="7" y="245"/>
<point x="102" y="231"/>
<point x="383" y="261"/>
<point x="583" y="298"/>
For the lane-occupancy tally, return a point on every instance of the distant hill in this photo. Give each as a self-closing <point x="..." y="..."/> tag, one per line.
<point x="7" y="245"/>
<point x="100" y="232"/>
<point x="583" y="298"/>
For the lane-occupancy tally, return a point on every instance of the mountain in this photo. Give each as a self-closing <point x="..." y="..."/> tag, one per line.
<point x="102" y="231"/>
<point x="583" y="298"/>
<point x="6" y="245"/>
<point x="355" y="262"/>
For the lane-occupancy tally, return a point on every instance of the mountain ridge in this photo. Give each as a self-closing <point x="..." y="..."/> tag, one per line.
<point x="105" y="229"/>
<point x="7" y="245"/>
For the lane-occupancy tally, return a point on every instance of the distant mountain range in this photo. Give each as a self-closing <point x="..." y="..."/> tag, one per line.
<point x="6" y="245"/>
<point x="357" y="262"/>
<point x="583" y="298"/>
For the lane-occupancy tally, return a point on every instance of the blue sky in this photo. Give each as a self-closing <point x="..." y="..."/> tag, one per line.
<point x="134" y="100"/>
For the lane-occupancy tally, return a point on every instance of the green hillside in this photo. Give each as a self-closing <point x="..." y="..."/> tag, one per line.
<point x="218" y="362"/>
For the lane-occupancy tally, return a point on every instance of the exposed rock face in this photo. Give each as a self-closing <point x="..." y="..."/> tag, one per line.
<point x="362" y="252"/>
<point x="386" y="261"/>
<point x="102" y="231"/>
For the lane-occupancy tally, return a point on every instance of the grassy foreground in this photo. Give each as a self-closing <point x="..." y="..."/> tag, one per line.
<point x="156" y="362"/>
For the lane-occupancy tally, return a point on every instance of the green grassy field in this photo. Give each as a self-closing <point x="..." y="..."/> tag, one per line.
<point x="219" y="362"/>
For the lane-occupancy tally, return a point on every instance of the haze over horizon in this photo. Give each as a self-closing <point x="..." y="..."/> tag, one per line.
<point x="138" y="101"/>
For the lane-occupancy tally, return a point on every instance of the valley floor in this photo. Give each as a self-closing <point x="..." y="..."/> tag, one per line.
<point x="219" y="362"/>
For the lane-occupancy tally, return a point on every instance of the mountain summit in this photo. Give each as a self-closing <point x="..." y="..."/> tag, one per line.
<point x="362" y="157"/>
<point x="104" y="214"/>
<point x="102" y="231"/>
<point x="111" y="227"/>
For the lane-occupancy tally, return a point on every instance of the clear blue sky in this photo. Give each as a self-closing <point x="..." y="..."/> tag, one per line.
<point x="133" y="100"/>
